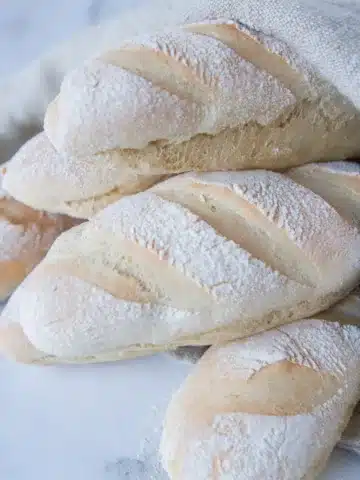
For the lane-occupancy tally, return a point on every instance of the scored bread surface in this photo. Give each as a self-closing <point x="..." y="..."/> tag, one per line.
<point x="195" y="79"/>
<point x="178" y="77"/>
<point x="272" y="406"/>
<point x="196" y="259"/>
<point x="199" y="97"/>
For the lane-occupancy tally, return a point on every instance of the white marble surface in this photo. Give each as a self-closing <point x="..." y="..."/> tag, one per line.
<point x="88" y="422"/>
<point x="93" y="423"/>
<point x="96" y="422"/>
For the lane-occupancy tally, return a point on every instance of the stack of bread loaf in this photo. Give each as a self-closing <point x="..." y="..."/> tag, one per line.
<point x="209" y="162"/>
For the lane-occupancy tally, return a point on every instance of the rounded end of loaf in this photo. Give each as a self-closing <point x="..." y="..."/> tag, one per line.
<point x="42" y="178"/>
<point x="15" y="346"/>
<point x="26" y="236"/>
<point x="162" y="87"/>
<point x="338" y="183"/>
<point x="38" y="176"/>
<point x="102" y="107"/>
<point x="38" y="314"/>
<point x="86" y="330"/>
<point x="271" y="406"/>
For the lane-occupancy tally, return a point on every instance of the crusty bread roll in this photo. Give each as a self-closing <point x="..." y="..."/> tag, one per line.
<point x="41" y="177"/>
<point x="197" y="259"/>
<point x="348" y="312"/>
<point x="336" y="182"/>
<point x="271" y="407"/>
<point x="25" y="237"/>
<point x="243" y="99"/>
<point x="203" y="97"/>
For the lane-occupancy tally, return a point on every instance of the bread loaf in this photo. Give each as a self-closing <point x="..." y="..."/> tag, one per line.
<point x="41" y="177"/>
<point x="25" y="237"/>
<point x="339" y="184"/>
<point x="242" y="98"/>
<point x="197" y="259"/>
<point x="199" y="97"/>
<point x="271" y="407"/>
<point x="348" y="312"/>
